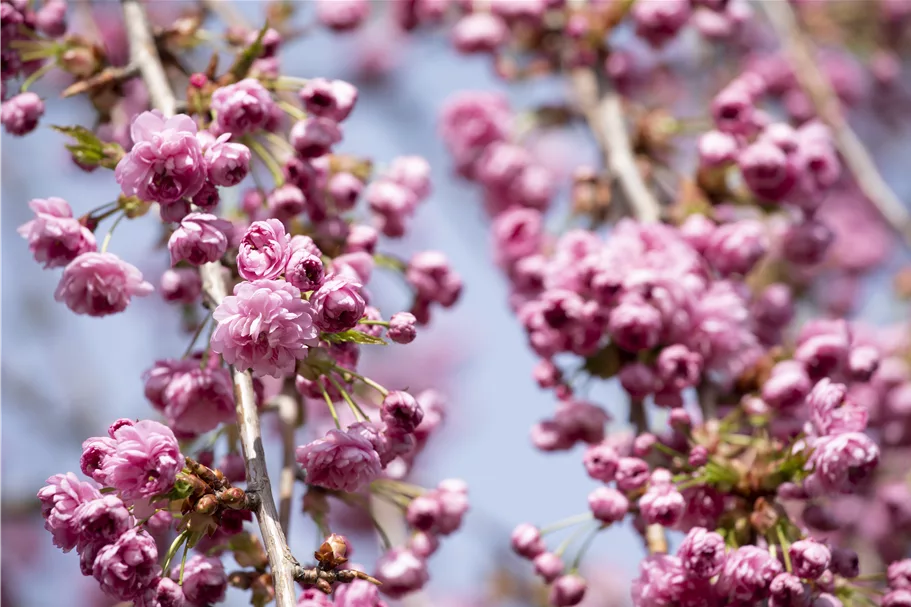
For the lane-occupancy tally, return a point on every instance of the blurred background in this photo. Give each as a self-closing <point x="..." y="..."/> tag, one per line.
<point x="65" y="377"/>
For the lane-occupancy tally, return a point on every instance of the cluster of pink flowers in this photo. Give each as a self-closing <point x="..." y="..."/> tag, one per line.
<point x="137" y="462"/>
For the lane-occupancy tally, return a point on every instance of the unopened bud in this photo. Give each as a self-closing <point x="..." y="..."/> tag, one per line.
<point x="234" y="498"/>
<point x="207" y="504"/>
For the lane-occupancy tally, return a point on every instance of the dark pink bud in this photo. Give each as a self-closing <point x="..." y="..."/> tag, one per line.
<point x="180" y="285"/>
<point x="549" y="566"/>
<point x="735" y="248"/>
<point x="767" y="170"/>
<point x="632" y="473"/>
<point x="401" y="328"/>
<point x="567" y="590"/>
<point x="699" y="456"/>
<point x="20" y="114"/>
<point x="227" y="164"/>
<point x="332" y="99"/>
<point x="810" y="558"/>
<point x="304" y="270"/>
<point x="314" y="136"/>
<point x="702" y="553"/>
<point x="678" y="367"/>
<point x="401" y="572"/>
<point x="526" y="541"/>
<point x="601" y="462"/>
<point x="635" y="325"/>
<point x="423" y="544"/>
<point x="608" y="505"/>
<point x="787" y="590"/>
<point x="402" y="411"/>
<point x="806" y="243"/>
<point x="344" y="188"/>
<point x="639" y="380"/>
<point x="423" y="513"/>
<point x="342" y="15"/>
<point x="480" y="32"/>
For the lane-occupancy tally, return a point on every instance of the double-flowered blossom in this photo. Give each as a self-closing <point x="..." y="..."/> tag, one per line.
<point x="265" y="326"/>
<point x="100" y="284"/>
<point x="204" y="580"/>
<point x="746" y="575"/>
<point x="332" y="99"/>
<point x="342" y="461"/>
<point x="200" y="238"/>
<point x="128" y="566"/>
<point x="166" y="162"/>
<point x="337" y="305"/>
<point x="702" y="553"/>
<point x="241" y="108"/>
<point x="227" y="162"/>
<point x="20" y="114"/>
<point x="264" y="250"/>
<point x="60" y="499"/>
<point x="401" y="572"/>
<point x="141" y="459"/>
<point x="54" y="236"/>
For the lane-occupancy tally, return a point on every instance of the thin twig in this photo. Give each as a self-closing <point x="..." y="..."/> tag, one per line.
<point x="283" y="564"/>
<point x="289" y="417"/>
<point x="603" y="109"/>
<point x="227" y="12"/>
<point x="818" y="88"/>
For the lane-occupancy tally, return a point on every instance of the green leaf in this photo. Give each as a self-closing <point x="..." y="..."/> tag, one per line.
<point x="107" y="490"/>
<point x="389" y="262"/>
<point x="181" y="490"/>
<point x="245" y="59"/>
<point x="353" y="336"/>
<point x="88" y="149"/>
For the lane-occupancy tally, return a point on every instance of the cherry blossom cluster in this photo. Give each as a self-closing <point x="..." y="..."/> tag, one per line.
<point x="695" y="316"/>
<point x="295" y="259"/>
<point x="111" y="520"/>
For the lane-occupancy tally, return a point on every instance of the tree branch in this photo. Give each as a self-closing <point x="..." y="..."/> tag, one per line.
<point x="289" y="417"/>
<point x="282" y="562"/>
<point x="819" y="90"/>
<point x="603" y="109"/>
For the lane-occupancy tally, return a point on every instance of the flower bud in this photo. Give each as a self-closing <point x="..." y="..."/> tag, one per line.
<point x="526" y="541"/>
<point x="810" y="558"/>
<point x="227" y="164"/>
<point x="423" y="513"/>
<point x="401" y="328"/>
<point x="332" y="99"/>
<point x="20" y="114"/>
<point x="313" y="137"/>
<point x="608" y="505"/>
<point x="567" y="590"/>
<point x="201" y="238"/>
<point x="549" y="566"/>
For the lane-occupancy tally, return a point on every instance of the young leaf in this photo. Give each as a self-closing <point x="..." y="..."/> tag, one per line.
<point x="353" y="336"/>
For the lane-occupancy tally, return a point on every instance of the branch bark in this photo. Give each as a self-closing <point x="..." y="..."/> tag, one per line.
<point x="819" y="90"/>
<point x="289" y="417"/>
<point x="603" y="109"/>
<point x="283" y="564"/>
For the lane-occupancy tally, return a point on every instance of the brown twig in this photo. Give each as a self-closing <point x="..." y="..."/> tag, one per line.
<point x="655" y="539"/>
<point x="819" y="90"/>
<point x="289" y="417"/>
<point x="603" y="109"/>
<point x="105" y="77"/>
<point x="283" y="564"/>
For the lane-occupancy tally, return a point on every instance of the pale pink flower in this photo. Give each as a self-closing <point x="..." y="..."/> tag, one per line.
<point x="99" y="284"/>
<point x="264" y="250"/>
<point x="166" y="162"/>
<point x="54" y="237"/>
<point x="341" y="461"/>
<point x="265" y="326"/>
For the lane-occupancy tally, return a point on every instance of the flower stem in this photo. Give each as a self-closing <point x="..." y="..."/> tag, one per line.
<point x="175" y="545"/>
<point x="107" y="237"/>
<point x="569" y="540"/>
<point x="292" y="110"/>
<point x="343" y="371"/>
<point x="196" y="334"/>
<point x="44" y="69"/>
<point x="784" y="547"/>
<point x="359" y="415"/>
<point x="382" y="323"/>
<point x="268" y="159"/>
<point x="567" y="522"/>
<point x="585" y="546"/>
<point x="331" y="406"/>
<point x="183" y="562"/>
